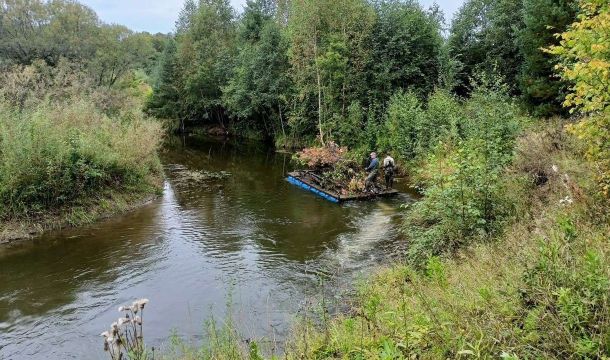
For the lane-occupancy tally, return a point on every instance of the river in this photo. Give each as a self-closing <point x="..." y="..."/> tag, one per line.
<point x="250" y="239"/>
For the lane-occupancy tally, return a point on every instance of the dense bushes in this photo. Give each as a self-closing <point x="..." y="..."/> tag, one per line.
<point x="584" y="51"/>
<point x="412" y="129"/>
<point x="565" y="293"/>
<point x="62" y="143"/>
<point x="538" y="291"/>
<point x="459" y="152"/>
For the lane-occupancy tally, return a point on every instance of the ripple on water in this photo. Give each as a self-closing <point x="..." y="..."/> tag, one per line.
<point x="252" y="238"/>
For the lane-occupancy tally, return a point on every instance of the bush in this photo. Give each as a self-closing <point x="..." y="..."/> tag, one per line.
<point x="463" y="178"/>
<point x="62" y="143"/>
<point x="584" y="51"/>
<point x="594" y="132"/>
<point x="565" y="294"/>
<point x="412" y="130"/>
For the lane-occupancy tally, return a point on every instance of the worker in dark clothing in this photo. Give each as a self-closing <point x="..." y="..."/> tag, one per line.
<point x="389" y="167"/>
<point x="373" y="170"/>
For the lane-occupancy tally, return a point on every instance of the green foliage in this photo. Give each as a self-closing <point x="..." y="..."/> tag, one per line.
<point x="257" y="93"/>
<point x="566" y="290"/>
<point x="206" y="52"/>
<point x="406" y="47"/>
<point x="328" y="54"/>
<point x="325" y="72"/>
<point x="542" y="91"/>
<point x="538" y="291"/>
<point x="483" y="39"/>
<point x="77" y="146"/>
<point x="164" y="102"/>
<point x="312" y="75"/>
<point x="55" y="30"/>
<point x="34" y="30"/>
<point x="412" y="129"/>
<point x="584" y="52"/>
<point x="465" y="194"/>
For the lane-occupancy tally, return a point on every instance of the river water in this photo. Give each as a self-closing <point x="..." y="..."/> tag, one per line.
<point x="250" y="240"/>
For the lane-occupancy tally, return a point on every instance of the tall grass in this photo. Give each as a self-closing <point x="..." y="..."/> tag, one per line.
<point x="539" y="290"/>
<point x="58" y="151"/>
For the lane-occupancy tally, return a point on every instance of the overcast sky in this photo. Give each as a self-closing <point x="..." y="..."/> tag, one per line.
<point x="159" y="15"/>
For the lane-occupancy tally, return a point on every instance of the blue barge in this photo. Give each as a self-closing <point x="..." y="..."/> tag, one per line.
<point x="300" y="179"/>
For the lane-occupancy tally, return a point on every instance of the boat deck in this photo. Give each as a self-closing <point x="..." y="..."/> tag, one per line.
<point x="304" y="181"/>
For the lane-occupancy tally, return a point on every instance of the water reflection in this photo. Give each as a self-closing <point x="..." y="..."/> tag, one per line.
<point x="251" y="234"/>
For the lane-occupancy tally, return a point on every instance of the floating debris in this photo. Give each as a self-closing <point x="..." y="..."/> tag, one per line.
<point x="184" y="176"/>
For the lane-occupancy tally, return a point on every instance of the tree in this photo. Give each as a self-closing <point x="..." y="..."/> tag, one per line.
<point x="406" y="44"/>
<point x="317" y="29"/>
<point x="118" y="51"/>
<point x="186" y="16"/>
<point x="258" y="91"/>
<point x="584" y="53"/>
<point x="542" y="90"/>
<point x="206" y="51"/>
<point x="164" y="102"/>
<point x="36" y="29"/>
<point x="32" y="30"/>
<point x="484" y="39"/>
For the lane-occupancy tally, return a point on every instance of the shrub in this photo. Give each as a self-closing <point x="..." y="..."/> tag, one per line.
<point x="594" y="131"/>
<point x="565" y="293"/>
<point x="412" y="129"/>
<point x="584" y="51"/>
<point x="463" y="179"/>
<point x="403" y="125"/>
<point x="63" y="141"/>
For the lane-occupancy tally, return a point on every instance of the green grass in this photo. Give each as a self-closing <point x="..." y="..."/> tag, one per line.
<point x="538" y="289"/>
<point x="54" y="156"/>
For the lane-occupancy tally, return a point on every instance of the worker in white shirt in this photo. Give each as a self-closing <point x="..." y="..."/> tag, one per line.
<point x="388" y="169"/>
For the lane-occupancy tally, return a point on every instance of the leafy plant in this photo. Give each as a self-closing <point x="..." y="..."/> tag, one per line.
<point x="584" y="51"/>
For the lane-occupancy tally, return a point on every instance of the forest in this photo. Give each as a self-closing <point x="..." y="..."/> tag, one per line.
<point x="305" y="71"/>
<point x="499" y="119"/>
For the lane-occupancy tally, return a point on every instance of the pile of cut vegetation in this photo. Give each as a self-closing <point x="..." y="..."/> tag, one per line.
<point x="334" y="169"/>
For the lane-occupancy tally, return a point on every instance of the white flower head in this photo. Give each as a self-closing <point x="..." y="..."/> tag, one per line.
<point x="123" y="321"/>
<point x="555" y="168"/>
<point x="141" y="303"/>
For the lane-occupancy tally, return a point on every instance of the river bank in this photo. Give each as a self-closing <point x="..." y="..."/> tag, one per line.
<point x="87" y="211"/>
<point x="536" y="289"/>
<point x="251" y="239"/>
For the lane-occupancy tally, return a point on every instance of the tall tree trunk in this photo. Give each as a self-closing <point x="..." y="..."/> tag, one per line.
<point x="320" y="106"/>
<point x="279" y="108"/>
<point x="319" y="80"/>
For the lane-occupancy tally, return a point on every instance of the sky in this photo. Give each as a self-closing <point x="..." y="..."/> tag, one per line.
<point x="159" y="15"/>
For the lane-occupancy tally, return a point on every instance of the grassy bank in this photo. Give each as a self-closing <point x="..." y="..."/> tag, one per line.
<point x="536" y="289"/>
<point x="70" y="152"/>
<point x="541" y="292"/>
<point x="82" y="212"/>
<point x="535" y="286"/>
